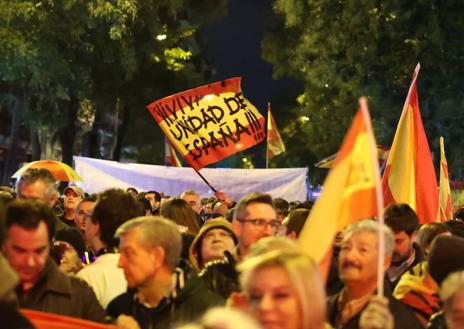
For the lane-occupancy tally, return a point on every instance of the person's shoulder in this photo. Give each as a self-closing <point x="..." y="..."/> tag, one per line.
<point x="403" y="315"/>
<point x="121" y="304"/>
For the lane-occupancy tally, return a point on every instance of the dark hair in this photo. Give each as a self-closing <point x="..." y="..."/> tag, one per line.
<point x="459" y="214"/>
<point x="90" y="198"/>
<point x="28" y="214"/>
<point x="305" y="205"/>
<point x="145" y="203"/>
<point x="157" y="195"/>
<point x="428" y="232"/>
<point x="250" y="199"/>
<point x="296" y="220"/>
<point x="132" y="189"/>
<point x="401" y="217"/>
<point x="281" y="206"/>
<point x="181" y="213"/>
<point x="113" y="208"/>
<point x="456" y="227"/>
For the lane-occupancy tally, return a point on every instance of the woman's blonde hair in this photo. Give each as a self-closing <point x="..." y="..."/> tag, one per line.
<point x="303" y="275"/>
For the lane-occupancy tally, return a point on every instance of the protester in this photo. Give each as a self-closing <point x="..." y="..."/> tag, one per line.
<point x="43" y="287"/>
<point x="417" y="287"/>
<point x="73" y="195"/>
<point x="254" y="219"/>
<point x="281" y="207"/>
<point x="154" y="198"/>
<point x="452" y="294"/>
<point x="113" y="208"/>
<point x="68" y="251"/>
<point x="193" y="200"/>
<point x="220" y="209"/>
<point x="215" y="237"/>
<point x="427" y="234"/>
<point x="444" y="259"/>
<point x="146" y="205"/>
<point x="284" y="290"/>
<point x="182" y="214"/>
<point x="133" y="192"/>
<point x="84" y="211"/>
<point x="295" y="221"/>
<point x="358" y="269"/>
<point x="39" y="184"/>
<point x="402" y="219"/>
<point x="150" y="251"/>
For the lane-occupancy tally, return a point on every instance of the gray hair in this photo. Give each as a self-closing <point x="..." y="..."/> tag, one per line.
<point x="451" y="285"/>
<point x="372" y="226"/>
<point x="156" y="232"/>
<point x="32" y="175"/>
<point x="189" y="192"/>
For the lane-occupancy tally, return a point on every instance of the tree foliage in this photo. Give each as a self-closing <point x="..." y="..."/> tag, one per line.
<point x="81" y="63"/>
<point x="341" y="50"/>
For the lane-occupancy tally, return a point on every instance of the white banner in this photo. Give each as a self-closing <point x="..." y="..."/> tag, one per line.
<point x="99" y="175"/>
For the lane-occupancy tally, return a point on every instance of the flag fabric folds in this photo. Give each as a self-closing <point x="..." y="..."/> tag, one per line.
<point x="170" y="156"/>
<point x="446" y="201"/>
<point x="209" y="123"/>
<point x="275" y="145"/>
<point x="409" y="176"/>
<point x="351" y="190"/>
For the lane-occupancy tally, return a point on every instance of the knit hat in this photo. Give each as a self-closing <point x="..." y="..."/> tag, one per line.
<point x="445" y="257"/>
<point x="194" y="250"/>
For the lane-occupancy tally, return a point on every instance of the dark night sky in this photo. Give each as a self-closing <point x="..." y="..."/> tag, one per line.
<point x="234" y="45"/>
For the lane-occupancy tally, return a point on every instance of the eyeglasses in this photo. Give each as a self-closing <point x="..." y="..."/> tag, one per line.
<point x="262" y="223"/>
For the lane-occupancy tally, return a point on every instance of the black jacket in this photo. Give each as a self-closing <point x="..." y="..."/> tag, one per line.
<point x="419" y="257"/>
<point x="59" y="293"/>
<point x="403" y="317"/>
<point x="185" y="305"/>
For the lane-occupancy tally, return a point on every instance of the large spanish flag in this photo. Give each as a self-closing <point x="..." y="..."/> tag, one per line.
<point x="351" y="190"/>
<point x="209" y="123"/>
<point x="410" y="176"/>
<point x="446" y="201"/>
<point x="275" y="145"/>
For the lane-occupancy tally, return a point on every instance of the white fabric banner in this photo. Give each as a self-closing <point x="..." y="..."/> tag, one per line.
<point x="99" y="175"/>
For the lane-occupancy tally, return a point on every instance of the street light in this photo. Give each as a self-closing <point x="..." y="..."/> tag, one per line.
<point x="161" y="37"/>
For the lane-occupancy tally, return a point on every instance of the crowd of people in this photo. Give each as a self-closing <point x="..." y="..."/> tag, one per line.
<point x="145" y="260"/>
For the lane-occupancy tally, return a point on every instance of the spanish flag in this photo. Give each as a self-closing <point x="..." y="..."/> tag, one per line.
<point x="446" y="202"/>
<point x="275" y="145"/>
<point x="410" y="176"/>
<point x="351" y="190"/>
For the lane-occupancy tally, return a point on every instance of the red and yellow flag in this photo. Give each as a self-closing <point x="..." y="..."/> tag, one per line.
<point x="170" y="156"/>
<point x="275" y="145"/>
<point x="409" y="176"/>
<point x="43" y="320"/>
<point x="446" y="201"/>
<point x="351" y="190"/>
<point x="209" y="123"/>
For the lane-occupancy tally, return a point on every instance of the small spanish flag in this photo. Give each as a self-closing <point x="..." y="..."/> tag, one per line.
<point x="351" y="190"/>
<point x="446" y="201"/>
<point x="275" y="145"/>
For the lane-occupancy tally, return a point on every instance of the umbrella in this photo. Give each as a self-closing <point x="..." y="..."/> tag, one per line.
<point x="60" y="171"/>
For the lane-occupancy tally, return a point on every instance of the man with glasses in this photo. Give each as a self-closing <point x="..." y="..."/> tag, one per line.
<point x="254" y="218"/>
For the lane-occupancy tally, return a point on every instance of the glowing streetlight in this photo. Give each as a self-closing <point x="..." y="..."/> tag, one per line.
<point x="161" y="37"/>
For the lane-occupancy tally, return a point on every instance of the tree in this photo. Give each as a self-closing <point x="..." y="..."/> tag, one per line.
<point x="342" y="50"/>
<point x="66" y="61"/>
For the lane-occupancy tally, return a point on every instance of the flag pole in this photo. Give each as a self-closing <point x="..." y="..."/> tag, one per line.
<point x="380" y="219"/>
<point x="267" y="134"/>
<point x="206" y="182"/>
